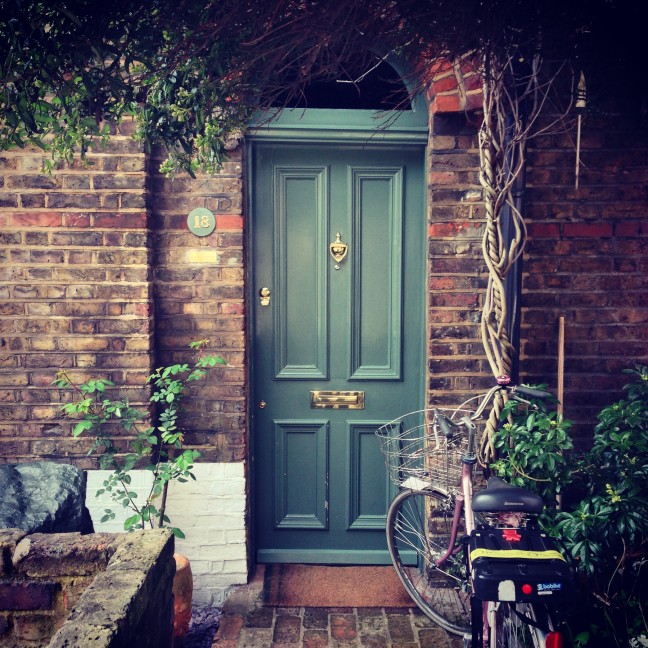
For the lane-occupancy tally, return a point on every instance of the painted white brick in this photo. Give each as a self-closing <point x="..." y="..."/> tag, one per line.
<point x="234" y="566"/>
<point x="216" y="581"/>
<point x="210" y="511"/>
<point x="235" y="536"/>
<point x="224" y="552"/>
<point x="201" y="566"/>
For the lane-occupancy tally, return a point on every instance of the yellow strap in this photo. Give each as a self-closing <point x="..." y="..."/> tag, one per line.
<point x="550" y="554"/>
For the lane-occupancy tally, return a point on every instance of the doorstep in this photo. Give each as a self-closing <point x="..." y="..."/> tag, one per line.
<point x="247" y="623"/>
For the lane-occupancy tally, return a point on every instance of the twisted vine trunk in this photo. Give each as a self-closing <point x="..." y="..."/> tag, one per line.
<point x="501" y="148"/>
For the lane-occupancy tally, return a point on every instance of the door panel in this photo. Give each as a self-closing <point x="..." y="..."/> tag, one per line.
<point x="355" y="325"/>
<point x="368" y="497"/>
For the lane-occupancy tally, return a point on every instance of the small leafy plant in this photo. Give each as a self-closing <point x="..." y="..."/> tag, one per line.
<point x="158" y="448"/>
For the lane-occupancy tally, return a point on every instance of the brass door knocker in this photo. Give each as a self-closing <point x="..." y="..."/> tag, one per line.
<point x="338" y="250"/>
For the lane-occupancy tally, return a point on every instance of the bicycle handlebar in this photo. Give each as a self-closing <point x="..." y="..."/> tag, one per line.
<point x="445" y="424"/>
<point x="529" y="391"/>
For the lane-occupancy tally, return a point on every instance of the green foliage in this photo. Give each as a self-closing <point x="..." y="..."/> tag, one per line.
<point x="191" y="109"/>
<point x="533" y="445"/>
<point x="612" y="519"/>
<point x="605" y="531"/>
<point x="158" y="448"/>
<point x="68" y="70"/>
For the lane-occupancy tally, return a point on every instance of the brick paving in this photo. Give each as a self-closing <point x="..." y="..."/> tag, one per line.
<point x="247" y="623"/>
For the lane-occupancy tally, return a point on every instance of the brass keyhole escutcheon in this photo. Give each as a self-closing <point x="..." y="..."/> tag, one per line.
<point x="264" y="295"/>
<point x="263" y="404"/>
<point x="338" y="250"/>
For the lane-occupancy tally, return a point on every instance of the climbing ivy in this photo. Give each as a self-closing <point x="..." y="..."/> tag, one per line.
<point x="70" y="70"/>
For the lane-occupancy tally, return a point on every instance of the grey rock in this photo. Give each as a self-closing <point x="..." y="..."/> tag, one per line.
<point x="43" y="497"/>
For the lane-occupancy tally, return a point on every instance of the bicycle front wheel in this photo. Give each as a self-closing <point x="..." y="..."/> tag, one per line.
<point x="419" y="526"/>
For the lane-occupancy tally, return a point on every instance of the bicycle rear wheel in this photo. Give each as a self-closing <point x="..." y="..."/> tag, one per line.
<point x="418" y="534"/>
<point x="520" y="625"/>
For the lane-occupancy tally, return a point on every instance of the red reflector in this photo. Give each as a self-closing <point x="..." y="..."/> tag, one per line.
<point x="554" y="640"/>
<point x="527" y="589"/>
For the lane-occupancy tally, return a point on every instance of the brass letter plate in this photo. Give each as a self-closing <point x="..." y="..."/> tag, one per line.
<point x="337" y="399"/>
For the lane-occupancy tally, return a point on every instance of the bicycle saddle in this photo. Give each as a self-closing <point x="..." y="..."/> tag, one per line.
<point x="500" y="496"/>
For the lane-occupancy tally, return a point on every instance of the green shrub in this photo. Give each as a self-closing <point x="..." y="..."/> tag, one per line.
<point x="605" y="531"/>
<point x="533" y="446"/>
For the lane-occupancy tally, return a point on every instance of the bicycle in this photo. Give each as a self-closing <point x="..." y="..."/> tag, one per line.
<point x="476" y="564"/>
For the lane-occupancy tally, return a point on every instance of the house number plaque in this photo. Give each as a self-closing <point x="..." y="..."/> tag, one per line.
<point x="201" y="221"/>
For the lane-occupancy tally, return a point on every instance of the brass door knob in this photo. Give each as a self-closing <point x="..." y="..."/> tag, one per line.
<point x="264" y="295"/>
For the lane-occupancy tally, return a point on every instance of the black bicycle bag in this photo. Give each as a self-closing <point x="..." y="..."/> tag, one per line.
<point x="518" y="565"/>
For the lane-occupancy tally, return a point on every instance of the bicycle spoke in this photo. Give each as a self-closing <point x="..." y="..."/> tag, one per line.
<point x="519" y="625"/>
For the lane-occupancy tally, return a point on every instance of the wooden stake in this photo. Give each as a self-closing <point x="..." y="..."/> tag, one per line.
<point x="561" y="363"/>
<point x="578" y="146"/>
<point x="561" y="381"/>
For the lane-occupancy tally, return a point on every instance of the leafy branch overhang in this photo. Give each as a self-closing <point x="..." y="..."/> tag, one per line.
<point x="192" y="72"/>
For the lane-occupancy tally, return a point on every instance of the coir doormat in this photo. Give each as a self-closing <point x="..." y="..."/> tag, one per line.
<point x="333" y="586"/>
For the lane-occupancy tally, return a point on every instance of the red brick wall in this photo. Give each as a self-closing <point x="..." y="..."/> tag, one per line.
<point x="199" y="293"/>
<point x="100" y="275"/>
<point x="75" y="288"/>
<point x="587" y="260"/>
<point x="457" y="272"/>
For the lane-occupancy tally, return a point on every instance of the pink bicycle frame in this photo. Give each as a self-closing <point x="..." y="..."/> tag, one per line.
<point x="462" y="501"/>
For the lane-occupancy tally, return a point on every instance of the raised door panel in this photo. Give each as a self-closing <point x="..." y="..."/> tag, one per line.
<point x="368" y="497"/>
<point x="301" y="474"/>
<point x="301" y="318"/>
<point x="376" y="292"/>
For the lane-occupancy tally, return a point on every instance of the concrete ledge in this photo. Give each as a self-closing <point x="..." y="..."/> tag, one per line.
<point x="72" y="554"/>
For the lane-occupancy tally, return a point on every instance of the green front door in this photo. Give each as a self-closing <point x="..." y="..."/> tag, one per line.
<point x="338" y="343"/>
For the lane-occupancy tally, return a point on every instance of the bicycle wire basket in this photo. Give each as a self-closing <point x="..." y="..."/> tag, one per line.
<point x="419" y="455"/>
